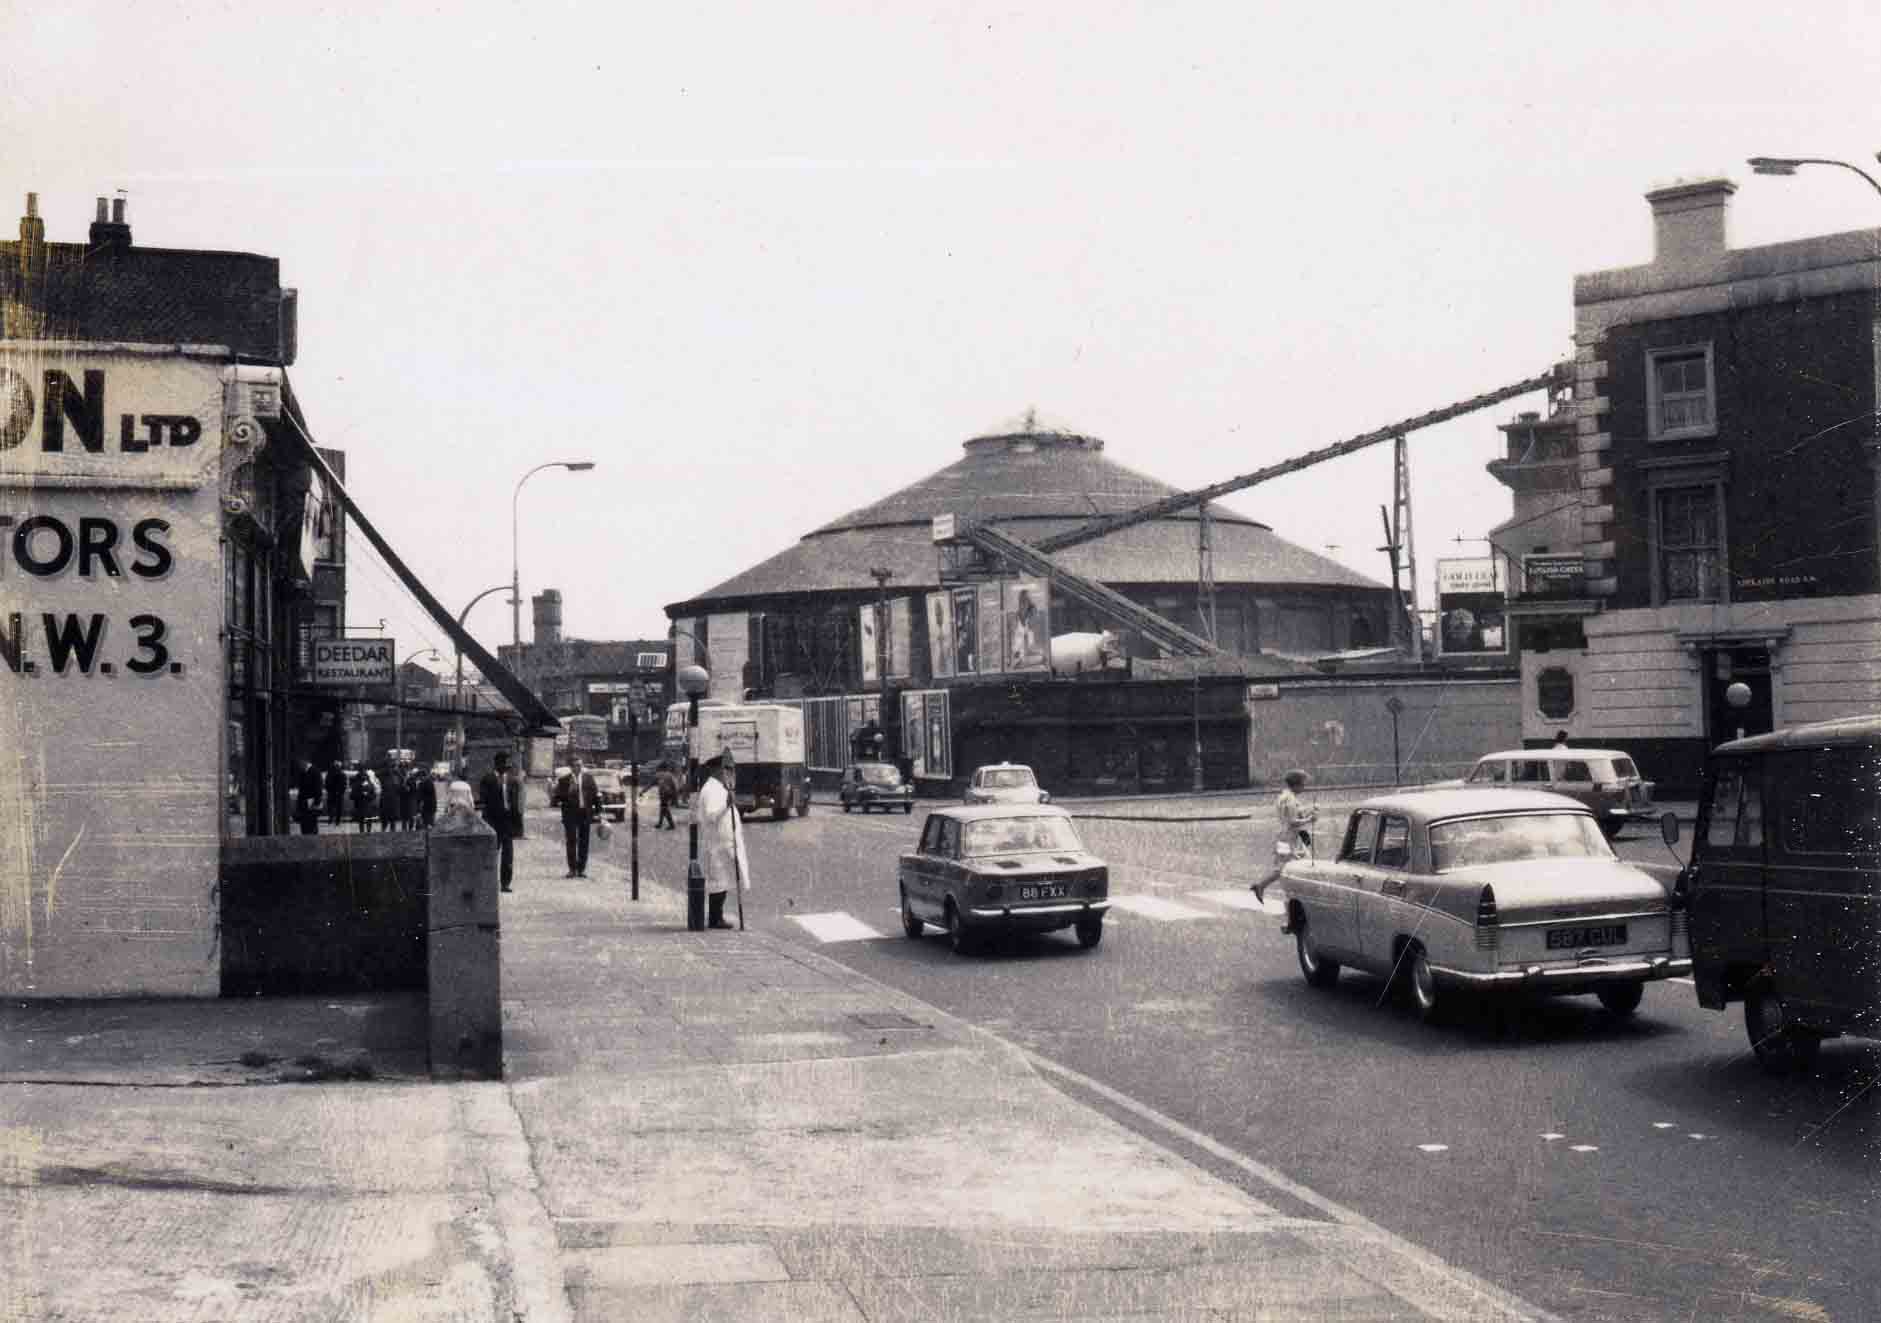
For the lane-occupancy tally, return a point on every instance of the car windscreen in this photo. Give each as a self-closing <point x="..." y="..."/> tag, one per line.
<point x="1018" y="835"/>
<point x="878" y="774"/>
<point x="1513" y="838"/>
<point x="1009" y="778"/>
<point x="607" y="780"/>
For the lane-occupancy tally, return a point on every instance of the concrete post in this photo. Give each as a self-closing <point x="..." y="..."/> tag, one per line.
<point x="463" y="946"/>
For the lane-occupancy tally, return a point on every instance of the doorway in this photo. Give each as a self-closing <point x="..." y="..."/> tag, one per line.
<point x="1724" y="668"/>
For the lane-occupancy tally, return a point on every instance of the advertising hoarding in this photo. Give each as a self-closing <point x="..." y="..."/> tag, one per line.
<point x="1471" y="607"/>
<point x="113" y="721"/>
<point x="940" y="634"/>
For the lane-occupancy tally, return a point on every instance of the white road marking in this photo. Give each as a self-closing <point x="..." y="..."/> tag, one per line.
<point x="1664" y="1125"/>
<point x="1697" y="1136"/>
<point x="1690" y="983"/>
<point x="836" y="926"/>
<point x="1241" y="899"/>
<point x="1433" y="1148"/>
<point x="1585" y="1148"/>
<point x="1155" y="907"/>
<point x="1552" y="1135"/>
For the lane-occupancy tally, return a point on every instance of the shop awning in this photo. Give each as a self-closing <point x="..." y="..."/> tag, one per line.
<point x="290" y="431"/>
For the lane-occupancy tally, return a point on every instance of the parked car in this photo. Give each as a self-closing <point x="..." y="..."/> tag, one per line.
<point x="613" y="788"/>
<point x="1782" y="886"/>
<point x="1482" y="891"/>
<point x="1002" y="868"/>
<point x="1605" y="780"/>
<point x="875" y="785"/>
<point x="1005" y="783"/>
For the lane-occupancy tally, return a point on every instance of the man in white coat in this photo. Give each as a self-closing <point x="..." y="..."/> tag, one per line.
<point x="721" y="838"/>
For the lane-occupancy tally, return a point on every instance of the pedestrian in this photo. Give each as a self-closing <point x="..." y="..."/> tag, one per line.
<point x="309" y="788"/>
<point x="1560" y="739"/>
<point x="1295" y="821"/>
<point x="502" y="809"/>
<point x="428" y="801"/>
<point x="721" y="837"/>
<point x="336" y="794"/>
<point x="365" y="799"/>
<point x="415" y="780"/>
<point x="668" y="785"/>
<point x="391" y="799"/>
<point x="580" y="800"/>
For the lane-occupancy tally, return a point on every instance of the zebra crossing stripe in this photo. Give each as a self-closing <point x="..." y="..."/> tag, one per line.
<point x="836" y="926"/>
<point x="1155" y="907"/>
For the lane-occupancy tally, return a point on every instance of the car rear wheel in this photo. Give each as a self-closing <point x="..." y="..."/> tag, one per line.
<point x="781" y="809"/>
<point x="1611" y="827"/>
<point x="958" y="937"/>
<point x="1090" y="931"/>
<point x="1421" y="984"/>
<point x="1783" y="1047"/>
<point x="911" y="924"/>
<point x="1319" y="971"/>
<point x="1621" y="998"/>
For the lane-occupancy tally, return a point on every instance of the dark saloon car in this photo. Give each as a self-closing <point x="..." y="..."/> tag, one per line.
<point x="875" y="785"/>
<point x="998" y="868"/>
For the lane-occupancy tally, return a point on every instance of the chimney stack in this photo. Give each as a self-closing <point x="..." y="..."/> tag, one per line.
<point x="32" y="228"/>
<point x="547" y="606"/>
<point x="1689" y="221"/>
<point x="110" y="230"/>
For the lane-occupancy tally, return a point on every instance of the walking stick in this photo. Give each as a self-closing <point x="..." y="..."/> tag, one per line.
<point x="738" y="873"/>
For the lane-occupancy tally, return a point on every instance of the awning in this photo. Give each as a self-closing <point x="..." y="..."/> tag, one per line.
<point x="290" y="430"/>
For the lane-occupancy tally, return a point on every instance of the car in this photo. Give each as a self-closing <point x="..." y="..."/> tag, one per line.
<point x="613" y="790"/>
<point x="1605" y="780"/>
<point x="1495" y="892"/>
<point x="990" y="869"/>
<point x="875" y="785"/>
<point x="1005" y="783"/>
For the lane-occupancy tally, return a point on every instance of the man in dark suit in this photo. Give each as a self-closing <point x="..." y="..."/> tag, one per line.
<point x="580" y="800"/>
<point x="502" y="809"/>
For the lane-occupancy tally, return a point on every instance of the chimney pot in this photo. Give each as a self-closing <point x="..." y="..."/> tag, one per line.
<point x="1689" y="220"/>
<point x="104" y="210"/>
<point x="32" y="205"/>
<point x="117" y="211"/>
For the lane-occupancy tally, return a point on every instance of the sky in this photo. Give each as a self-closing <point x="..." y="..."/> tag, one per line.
<point x="764" y="264"/>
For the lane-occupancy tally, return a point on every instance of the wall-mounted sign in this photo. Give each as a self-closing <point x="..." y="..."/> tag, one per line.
<point x="1547" y="574"/>
<point x="350" y="661"/>
<point x="1263" y="691"/>
<point x="1471" y="607"/>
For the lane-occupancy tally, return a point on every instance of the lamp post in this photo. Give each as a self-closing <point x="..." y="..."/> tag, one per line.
<point x="398" y="695"/>
<point x="693" y="681"/>
<point x="1786" y="165"/>
<point x="515" y="572"/>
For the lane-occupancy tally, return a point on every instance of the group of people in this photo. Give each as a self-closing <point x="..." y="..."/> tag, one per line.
<point x="405" y="799"/>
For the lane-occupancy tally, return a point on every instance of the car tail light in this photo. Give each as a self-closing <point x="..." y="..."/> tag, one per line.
<point x="1488" y="922"/>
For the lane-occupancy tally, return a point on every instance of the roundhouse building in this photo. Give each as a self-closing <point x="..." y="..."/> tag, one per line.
<point x="1090" y="713"/>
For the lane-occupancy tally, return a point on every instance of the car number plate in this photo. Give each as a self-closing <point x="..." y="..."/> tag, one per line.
<point x="1572" y="939"/>
<point x="1052" y="891"/>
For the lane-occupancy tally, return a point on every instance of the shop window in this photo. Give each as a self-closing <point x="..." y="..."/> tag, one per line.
<point x="1554" y="693"/>
<point x="1680" y="393"/>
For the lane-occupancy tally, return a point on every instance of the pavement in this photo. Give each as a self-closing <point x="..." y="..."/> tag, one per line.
<point x="693" y="1126"/>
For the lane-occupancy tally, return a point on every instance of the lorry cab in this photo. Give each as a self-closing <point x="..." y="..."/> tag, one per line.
<point x="1781" y="887"/>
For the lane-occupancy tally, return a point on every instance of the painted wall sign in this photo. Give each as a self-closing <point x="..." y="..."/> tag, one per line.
<point x="351" y="662"/>
<point x="112" y="711"/>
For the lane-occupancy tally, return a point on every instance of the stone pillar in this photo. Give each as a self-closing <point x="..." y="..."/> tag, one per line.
<point x="463" y="946"/>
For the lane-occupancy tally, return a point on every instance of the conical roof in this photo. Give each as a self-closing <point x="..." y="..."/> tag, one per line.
<point x="1033" y="481"/>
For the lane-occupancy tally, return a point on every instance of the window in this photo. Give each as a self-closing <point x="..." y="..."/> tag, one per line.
<point x="1736" y="808"/>
<point x="1358" y="839"/>
<point x="1688" y="544"/>
<point x="1394" y="844"/>
<point x="1530" y="771"/>
<point x="1575" y="771"/>
<point x="1679" y="392"/>
<point x="1554" y="693"/>
<point x="1490" y="771"/>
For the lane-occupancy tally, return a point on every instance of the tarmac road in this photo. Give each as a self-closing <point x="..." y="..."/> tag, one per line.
<point x="1601" y="1168"/>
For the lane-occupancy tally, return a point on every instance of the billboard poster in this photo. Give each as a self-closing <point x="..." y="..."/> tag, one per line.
<point x="114" y="724"/>
<point x="1028" y="626"/>
<point x="988" y="643"/>
<point x="728" y="648"/>
<point x="914" y="730"/>
<point x="1471" y="608"/>
<point x="940" y="634"/>
<point x="900" y="637"/>
<point x="865" y="641"/>
<point x="966" y="642"/>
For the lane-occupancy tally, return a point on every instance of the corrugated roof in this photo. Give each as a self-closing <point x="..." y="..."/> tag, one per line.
<point x="1034" y="484"/>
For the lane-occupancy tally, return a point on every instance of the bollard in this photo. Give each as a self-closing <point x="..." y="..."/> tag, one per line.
<point x="463" y="947"/>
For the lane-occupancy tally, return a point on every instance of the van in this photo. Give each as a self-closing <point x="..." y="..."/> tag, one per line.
<point x="1780" y="890"/>
<point x="1605" y="780"/>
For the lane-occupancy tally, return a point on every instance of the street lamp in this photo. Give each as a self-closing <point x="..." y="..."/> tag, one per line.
<point x="1786" y="165"/>
<point x="515" y="573"/>
<point x="398" y="695"/>
<point x="693" y="682"/>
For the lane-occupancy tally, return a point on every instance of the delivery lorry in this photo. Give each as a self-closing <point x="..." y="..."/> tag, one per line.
<point x="765" y="741"/>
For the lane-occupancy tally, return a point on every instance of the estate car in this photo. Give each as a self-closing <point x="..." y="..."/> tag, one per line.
<point x="1605" y="780"/>
<point x="982" y="870"/>
<point x="1005" y="783"/>
<point x="1456" y="891"/>
<point x="875" y="785"/>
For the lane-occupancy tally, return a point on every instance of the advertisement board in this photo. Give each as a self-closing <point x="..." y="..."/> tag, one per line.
<point x="728" y="648"/>
<point x="966" y="632"/>
<point x="990" y="645"/>
<point x="1547" y="574"/>
<point x="113" y="722"/>
<point x="1028" y="630"/>
<point x="940" y="634"/>
<point x="1471" y="607"/>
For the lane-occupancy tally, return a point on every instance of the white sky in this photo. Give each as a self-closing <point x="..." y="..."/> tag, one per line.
<point x="765" y="264"/>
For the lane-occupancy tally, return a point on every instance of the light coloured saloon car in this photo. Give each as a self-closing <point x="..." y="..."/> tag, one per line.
<point x="992" y="869"/>
<point x="1500" y="892"/>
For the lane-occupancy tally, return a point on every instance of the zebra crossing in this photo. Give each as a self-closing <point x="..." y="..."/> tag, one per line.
<point x="833" y="926"/>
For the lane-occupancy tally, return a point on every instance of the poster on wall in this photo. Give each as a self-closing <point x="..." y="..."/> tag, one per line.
<point x="728" y="645"/>
<point x="966" y="632"/>
<point x="940" y="634"/>
<point x="1471" y="607"/>
<point x="1028" y="625"/>
<point x="865" y="641"/>
<point x="901" y="637"/>
<point x="913" y="731"/>
<point x="989" y="646"/>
